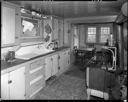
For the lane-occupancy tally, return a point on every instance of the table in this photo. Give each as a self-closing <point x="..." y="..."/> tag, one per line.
<point x="82" y="54"/>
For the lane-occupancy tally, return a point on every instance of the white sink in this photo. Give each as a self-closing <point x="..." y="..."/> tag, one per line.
<point x="33" y="54"/>
<point x="27" y="56"/>
<point x="39" y="52"/>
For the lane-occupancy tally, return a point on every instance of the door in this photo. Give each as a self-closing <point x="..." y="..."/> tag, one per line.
<point x="54" y="64"/>
<point x="48" y="67"/>
<point x="17" y="85"/>
<point x="4" y="86"/>
<point x="8" y="25"/>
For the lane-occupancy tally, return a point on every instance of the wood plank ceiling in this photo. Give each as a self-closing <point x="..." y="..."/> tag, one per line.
<point x="72" y="9"/>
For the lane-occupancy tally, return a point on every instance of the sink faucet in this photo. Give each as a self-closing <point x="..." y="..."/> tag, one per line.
<point x="50" y="45"/>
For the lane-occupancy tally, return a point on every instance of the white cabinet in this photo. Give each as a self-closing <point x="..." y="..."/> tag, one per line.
<point x="48" y="67"/>
<point x="61" y="62"/>
<point x="60" y="32"/>
<point x="55" y="29"/>
<point x="10" y="27"/>
<point x="13" y="84"/>
<point x="17" y="87"/>
<point x="48" y="30"/>
<point x="51" y="66"/>
<point x="36" y="77"/>
<point x="64" y="60"/>
<point x="54" y="64"/>
<point x="67" y="57"/>
<point x="5" y="86"/>
<point x="66" y="33"/>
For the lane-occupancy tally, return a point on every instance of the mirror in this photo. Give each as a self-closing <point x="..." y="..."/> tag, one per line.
<point x="30" y="27"/>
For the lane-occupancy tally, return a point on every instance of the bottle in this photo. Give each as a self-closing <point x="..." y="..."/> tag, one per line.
<point x="111" y="41"/>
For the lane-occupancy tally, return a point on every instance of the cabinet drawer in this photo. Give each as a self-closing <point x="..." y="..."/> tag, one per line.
<point x="36" y="72"/>
<point x="36" y="64"/>
<point x="36" y="86"/>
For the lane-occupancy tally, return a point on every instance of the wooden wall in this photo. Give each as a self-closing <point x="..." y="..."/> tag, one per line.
<point x="125" y="34"/>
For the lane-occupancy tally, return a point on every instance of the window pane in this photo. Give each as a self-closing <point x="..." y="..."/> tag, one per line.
<point x="105" y="32"/>
<point x="91" y="34"/>
<point x="76" y="38"/>
<point x="91" y="38"/>
<point x="104" y="38"/>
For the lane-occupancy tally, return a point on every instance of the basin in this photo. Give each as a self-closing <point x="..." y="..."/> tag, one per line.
<point x="33" y="54"/>
<point x="27" y="56"/>
<point x="42" y="51"/>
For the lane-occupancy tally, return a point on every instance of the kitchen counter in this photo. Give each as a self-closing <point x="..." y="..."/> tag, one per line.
<point x="5" y="65"/>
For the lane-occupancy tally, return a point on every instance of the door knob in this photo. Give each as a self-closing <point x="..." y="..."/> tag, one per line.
<point x="10" y="81"/>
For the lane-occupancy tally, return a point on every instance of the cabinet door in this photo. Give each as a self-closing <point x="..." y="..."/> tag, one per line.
<point x="36" y="77"/>
<point x="60" y="33"/>
<point x="67" y="58"/>
<point x="8" y="25"/>
<point x="54" y="64"/>
<point x="55" y="35"/>
<point x="66" y="33"/>
<point x="48" y="25"/>
<point x="17" y="86"/>
<point x="48" y="67"/>
<point x="61" y="62"/>
<point x="4" y="86"/>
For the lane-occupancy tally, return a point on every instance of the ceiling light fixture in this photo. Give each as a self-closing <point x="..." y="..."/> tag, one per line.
<point x="96" y="0"/>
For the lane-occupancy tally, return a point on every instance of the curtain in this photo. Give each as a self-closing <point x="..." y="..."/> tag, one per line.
<point x="82" y="36"/>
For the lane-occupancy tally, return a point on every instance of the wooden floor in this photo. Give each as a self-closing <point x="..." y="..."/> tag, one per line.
<point x="68" y="86"/>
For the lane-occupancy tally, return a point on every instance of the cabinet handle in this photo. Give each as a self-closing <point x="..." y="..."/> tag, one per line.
<point x="10" y="81"/>
<point x="58" y="57"/>
<point x="16" y="37"/>
<point x="16" y="14"/>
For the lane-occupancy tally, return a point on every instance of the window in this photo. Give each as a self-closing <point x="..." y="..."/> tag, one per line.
<point x="30" y="27"/>
<point x="105" y="32"/>
<point x="91" y="35"/>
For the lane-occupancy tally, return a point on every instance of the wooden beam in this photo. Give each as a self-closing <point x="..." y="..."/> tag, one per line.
<point x="93" y="19"/>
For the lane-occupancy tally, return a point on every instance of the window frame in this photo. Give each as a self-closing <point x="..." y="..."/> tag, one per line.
<point x="75" y="27"/>
<point x="87" y="41"/>
<point x="104" y="34"/>
<point x="37" y="29"/>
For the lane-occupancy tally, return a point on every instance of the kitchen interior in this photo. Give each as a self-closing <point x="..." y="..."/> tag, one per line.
<point x="64" y="50"/>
